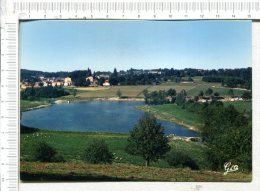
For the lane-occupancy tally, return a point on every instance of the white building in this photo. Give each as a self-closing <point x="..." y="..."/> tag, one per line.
<point x="106" y="83"/>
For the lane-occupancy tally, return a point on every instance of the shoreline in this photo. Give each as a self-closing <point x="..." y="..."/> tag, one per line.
<point x="62" y="101"/>
<point x="37" y="107"/>
<point x="145" y="108"/>
<point x="171" y="137"/>
<point x="59" y="101"/>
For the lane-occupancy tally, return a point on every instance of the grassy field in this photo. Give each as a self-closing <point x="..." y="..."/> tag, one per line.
<point x="25" y="105"/>
<point x="71" y="146"/>
<point x="137" y="91"/>
<point x="124" y="167"/>
<point x="108" y="92"/>
<point x="174" y="113"/>
<point x="33" y="171"/>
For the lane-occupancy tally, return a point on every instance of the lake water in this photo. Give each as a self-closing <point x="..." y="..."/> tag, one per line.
<point x="94" y="116"/>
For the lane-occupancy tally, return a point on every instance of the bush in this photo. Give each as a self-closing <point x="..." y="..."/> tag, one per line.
<point x="97" y="151"/>
<point x="179" y="159"/>
<point x="58" y="158"/>
<point x="45" y="153"/>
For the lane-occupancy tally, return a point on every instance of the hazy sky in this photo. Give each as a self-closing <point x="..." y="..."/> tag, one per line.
<point x="105" y="45"/>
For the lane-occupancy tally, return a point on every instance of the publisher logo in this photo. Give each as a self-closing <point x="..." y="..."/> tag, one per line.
<point x="229" y="167"/>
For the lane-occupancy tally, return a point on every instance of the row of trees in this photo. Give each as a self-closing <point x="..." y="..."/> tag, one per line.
<point x="171" y="96"/>
<point x="43" y="92"/>
<point x="243" y="73"/>
<point x="228" y="77"/>
<point x="159" y="97"/>
<point x="228" y="135"/>
<point x="230" y="81"/>
<point x="226" y="132"/>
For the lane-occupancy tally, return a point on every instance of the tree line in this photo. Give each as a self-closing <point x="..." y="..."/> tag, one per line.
<point x="43" y="92"/>
<point x="231" y="77"/>
<point x="241" y="77"/>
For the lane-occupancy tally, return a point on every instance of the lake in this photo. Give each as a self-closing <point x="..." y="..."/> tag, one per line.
<point x="94" y="116"/>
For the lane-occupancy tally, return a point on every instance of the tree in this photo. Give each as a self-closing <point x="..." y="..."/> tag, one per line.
<point x="209" y="91"/>
<point x="89" y="73"/>
<point x="216" y="94"/>
<point x="88" y="82"/>
<point x="74" y="92"/>
<point x="247" y="95"/>
<point x="228" y="135"/>
<point x="180" y="98"/>
<point x="230" y="92"/>
<point x="43" y="152"/>
<point x="146" y="96"/>
<point x="101" y="81"/>
<point x="114" y="78"/>
<point x="201" y="94"/>
<point x="147" y="139"/>
<point x="119" y="93"/>
<point x="171" y="92"/>
<point x="196" y="98"/>
<point x="97" y="151"/>
<point x="180" y="159"/>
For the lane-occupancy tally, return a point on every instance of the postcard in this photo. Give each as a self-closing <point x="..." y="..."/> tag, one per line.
<point x="135" y="101"/>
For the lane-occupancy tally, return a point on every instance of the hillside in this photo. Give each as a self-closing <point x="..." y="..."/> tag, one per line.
<point x="32" y="171"/>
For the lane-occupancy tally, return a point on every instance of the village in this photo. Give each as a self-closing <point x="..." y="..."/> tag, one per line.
<point x="102" y="81"/>
<point x="91" y="80"/>
<point x="41" y="81"/>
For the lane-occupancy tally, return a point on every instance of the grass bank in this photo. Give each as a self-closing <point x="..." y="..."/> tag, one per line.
<point x="71" y="146"/>
<point x="124" y="167"/>
<point x="33" y="171"/>
<point x="174" y="113"/>
<point x="191" y="120"/>
<point x="26" y="105"/>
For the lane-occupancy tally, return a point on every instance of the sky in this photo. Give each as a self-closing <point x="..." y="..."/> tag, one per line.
<point x="104" y="45"/>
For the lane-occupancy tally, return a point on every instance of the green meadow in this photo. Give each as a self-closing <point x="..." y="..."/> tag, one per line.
<point x="124" y="167"/>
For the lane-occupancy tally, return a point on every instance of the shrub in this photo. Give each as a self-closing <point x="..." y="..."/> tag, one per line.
<point x="58" y="158"/>
<point x="43" y="152"/>
<point x="179" y="159"/>
<point x="97" y="151"/>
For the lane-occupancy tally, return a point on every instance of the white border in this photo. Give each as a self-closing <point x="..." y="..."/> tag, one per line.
<point x="184" y="186"/>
